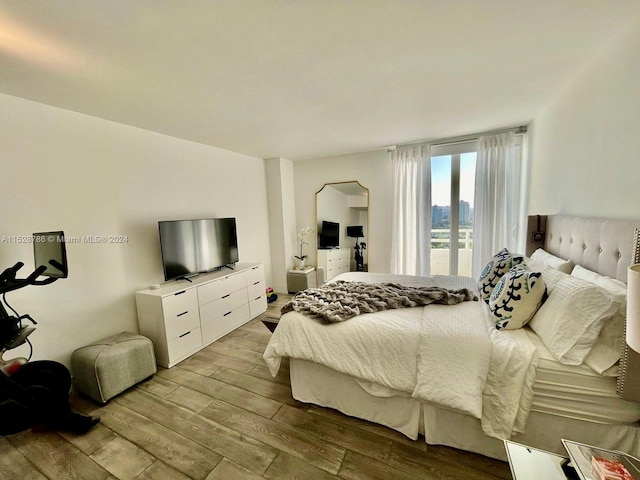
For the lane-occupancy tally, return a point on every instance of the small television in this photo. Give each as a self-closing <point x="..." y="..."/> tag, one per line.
<point x="190" y="247"/>
<point x="330" y="235"/>
<point x="355" y="231"/>
<point x="49" y="250"/>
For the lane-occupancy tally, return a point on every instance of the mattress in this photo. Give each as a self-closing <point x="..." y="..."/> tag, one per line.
<point x="576" y="391"/>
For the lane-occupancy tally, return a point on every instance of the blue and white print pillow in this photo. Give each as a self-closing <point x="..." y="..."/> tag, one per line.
<point x="500" y="264"/>
<point x="517" y="297"/>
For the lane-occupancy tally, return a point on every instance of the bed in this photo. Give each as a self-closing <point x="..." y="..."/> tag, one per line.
<point x="432" y="371"/>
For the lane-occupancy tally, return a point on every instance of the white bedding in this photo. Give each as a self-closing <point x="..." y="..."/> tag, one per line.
<point x="456" y="360"/>
<point x="454" y="352"/>
<point x="577" y="391"/>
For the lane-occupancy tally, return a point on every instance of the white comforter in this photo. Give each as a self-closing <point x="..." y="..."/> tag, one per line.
<point x="450" y="355"/>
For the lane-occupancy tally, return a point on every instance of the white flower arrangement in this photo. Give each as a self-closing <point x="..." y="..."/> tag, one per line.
<point x="302" y="240"/>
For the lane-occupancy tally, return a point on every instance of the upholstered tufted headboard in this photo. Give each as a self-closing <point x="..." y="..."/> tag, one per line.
<point x="603" y="245"/>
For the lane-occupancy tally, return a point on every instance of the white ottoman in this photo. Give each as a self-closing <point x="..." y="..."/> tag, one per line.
<point x="108" y="367"/>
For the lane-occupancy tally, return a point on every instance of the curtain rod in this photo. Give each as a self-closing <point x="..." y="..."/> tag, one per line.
<point x="466" y="138"/>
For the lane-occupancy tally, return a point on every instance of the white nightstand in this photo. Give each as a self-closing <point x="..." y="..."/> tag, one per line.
<point x="298" y="280"/>
<point x="529" y="463"/>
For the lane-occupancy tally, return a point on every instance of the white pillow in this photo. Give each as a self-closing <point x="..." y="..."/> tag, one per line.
<point x="551" y="275"/>
<point x="517" y="297"/>
<point x="615" y="287"/>
<point x="571" y="319"/>
<point x="608" y="346"/>
<point x="550" y="260"/>
<point x="500" y="264"/>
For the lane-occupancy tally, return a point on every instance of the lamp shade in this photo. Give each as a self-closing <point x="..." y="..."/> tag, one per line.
<point x="355" y="231"/>
<point x="633" y="307"/>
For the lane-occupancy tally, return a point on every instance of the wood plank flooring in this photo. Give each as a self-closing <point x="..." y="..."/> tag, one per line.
<point x="220" y="415"/>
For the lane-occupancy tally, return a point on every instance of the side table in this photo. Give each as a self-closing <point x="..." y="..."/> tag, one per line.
<point x="529" y="463"/>
<point x="302" y="279"/>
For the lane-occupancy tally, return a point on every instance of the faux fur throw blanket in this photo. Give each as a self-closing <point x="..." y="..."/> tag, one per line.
<point x="342" y="300"/>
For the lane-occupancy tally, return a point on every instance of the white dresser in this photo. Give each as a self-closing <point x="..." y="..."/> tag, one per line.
<point x="334" y="261"/>
<point x="182" y="317"/>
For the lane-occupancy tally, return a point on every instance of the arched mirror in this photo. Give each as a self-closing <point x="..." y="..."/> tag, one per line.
<point x="342" y="224"/>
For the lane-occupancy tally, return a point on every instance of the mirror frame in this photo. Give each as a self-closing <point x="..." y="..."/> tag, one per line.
<point x="329" y="184"/>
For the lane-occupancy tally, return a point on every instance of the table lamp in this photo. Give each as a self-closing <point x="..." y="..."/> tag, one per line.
<point x="633" y="297"/>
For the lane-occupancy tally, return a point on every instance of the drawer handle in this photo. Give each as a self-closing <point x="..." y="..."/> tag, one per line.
<point x="256" y="283"/>
<point x="227" y="295"/>
<point x="180" y="293"/>
<point x="183" y="313"/>
<point x="228" y="313"/>
<point x="185" y="334"/>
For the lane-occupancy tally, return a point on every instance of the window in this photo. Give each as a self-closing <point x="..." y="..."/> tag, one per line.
<point x="453" y="170"/>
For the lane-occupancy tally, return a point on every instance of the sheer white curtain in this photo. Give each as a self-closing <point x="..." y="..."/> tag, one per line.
<point x="497" y="198"/>
<point x="411" y="215"/>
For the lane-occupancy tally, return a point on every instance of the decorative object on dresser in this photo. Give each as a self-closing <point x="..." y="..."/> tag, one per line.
<point x="183" y="317"/>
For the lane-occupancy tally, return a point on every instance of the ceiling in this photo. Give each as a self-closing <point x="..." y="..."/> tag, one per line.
<point x="301" y="79"/>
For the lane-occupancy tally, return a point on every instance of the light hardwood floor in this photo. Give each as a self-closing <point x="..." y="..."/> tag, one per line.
<point x="220" y="415"/>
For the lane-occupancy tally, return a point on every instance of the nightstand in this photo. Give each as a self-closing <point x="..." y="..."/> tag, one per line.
<point x="529" y="463"/>
<point x="532" y="464"/>
<point x="298" y="280"/>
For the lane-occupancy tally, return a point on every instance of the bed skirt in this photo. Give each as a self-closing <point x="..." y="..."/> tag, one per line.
<point x="314" y="383"/>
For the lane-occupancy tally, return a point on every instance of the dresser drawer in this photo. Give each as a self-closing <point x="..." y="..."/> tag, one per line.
<point x="187" y="343"/>
<point x="180" y="313"/>
<point x="258" y="305"/>
<point x="179" y="302"/>
<point x="255" y="274"/>
<point x="223" y="286"/>
<point x="256" y="289"/>
<point x="214" y="328"/>
<point x="224" y="305"/>
<point x="332" y="272"/>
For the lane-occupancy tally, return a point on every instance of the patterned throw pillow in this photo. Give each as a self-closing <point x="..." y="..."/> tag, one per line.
<point x="500" y="264"/>
<point x="517" y="297"/>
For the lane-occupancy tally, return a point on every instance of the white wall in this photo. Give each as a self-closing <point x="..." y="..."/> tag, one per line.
<point x="585" y="145"/>
<point x="373" y="171"/>
<point x="86" y="176"/>
<point x="282" y="219"/>
<point x="584" y="153"/>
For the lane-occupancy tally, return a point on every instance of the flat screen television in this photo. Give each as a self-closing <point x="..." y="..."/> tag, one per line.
<point x="190" y="247"/>
<point x="329" y="235"/>
<point x="49" y="250"/>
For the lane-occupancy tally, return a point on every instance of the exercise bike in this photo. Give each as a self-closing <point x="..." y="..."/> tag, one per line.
<point x="34" y="393"/>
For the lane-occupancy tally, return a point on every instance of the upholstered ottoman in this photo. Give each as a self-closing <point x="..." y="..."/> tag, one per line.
<point x="108" y="367"/>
